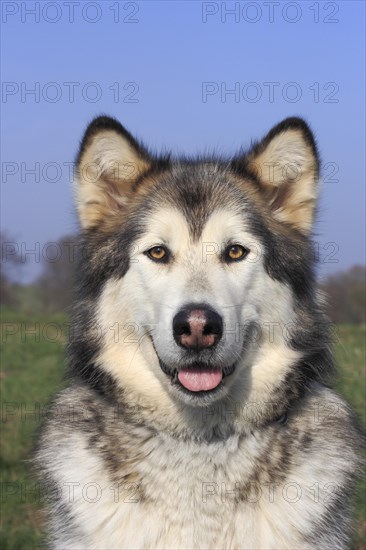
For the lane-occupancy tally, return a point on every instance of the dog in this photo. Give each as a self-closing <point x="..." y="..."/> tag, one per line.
<point x="199" y="413"/>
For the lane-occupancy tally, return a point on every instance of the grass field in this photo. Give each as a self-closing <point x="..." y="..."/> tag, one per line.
<point x="32" y="369"/>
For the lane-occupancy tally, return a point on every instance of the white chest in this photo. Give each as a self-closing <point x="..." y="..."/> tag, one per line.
<point x="190" y="496"/>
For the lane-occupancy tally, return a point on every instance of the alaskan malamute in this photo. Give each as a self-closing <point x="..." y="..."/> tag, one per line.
<point x="199" y="415"/>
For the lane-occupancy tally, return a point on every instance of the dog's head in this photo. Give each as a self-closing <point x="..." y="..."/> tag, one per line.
<point x="197" y="272"/>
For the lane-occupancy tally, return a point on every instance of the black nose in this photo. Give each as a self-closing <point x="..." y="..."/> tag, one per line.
<point x="197" y="327"/>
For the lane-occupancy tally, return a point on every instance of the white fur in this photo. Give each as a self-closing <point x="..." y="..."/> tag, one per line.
<point x="207" y="479"/>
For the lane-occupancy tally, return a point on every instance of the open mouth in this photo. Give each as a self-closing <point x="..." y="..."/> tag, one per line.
<point x="198" y="379"/>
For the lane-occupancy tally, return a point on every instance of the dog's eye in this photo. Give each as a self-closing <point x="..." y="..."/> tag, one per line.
<point x="158" y="254"/>
<point x="235" y="252"/>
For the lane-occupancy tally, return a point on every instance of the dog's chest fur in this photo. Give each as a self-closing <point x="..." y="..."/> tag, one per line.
<point x="267" y="489"/>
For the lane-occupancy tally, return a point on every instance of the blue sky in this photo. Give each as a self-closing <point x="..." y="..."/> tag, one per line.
<point x="150" y="64"/>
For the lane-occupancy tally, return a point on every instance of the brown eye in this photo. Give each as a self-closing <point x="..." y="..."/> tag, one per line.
<point x="158" y="254"/>
<point x="235" y="252"/>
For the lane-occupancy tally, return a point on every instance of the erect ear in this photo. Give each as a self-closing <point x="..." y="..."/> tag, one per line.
<point x="286" y="166"/>
<point x="110" y="160"/>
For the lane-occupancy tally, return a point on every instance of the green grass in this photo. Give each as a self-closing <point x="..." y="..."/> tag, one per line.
<point x="350" y="358"/>
<point x="32" y="371"/>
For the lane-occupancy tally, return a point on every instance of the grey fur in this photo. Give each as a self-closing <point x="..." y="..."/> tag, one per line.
<point x="275" y="473"/>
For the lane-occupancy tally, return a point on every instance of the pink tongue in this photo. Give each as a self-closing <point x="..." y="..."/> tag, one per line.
<point x="200" y="379"/>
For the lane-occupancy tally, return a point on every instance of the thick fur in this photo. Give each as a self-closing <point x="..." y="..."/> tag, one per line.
<point x="128" y="458"/>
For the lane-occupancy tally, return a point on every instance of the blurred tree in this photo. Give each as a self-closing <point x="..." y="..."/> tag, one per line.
<point x="345" y="293"/>
<point x="57" y="280"/>
<point x="10" y="266"/>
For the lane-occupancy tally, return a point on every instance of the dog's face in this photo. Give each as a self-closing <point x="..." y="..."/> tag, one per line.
<point x="197" y="259"/>
<point x="190" y="286"/>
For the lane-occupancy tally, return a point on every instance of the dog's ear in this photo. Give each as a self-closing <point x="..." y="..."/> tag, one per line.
<point x="110" y="160"/>
<point x="285" y="164"/>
